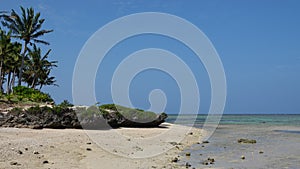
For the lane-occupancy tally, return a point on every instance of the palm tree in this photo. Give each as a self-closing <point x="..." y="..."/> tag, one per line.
<point x="12" y="63"/>
<point x="47" y="80"/>
<point x="9" y="57"/>
<point x="26" y="27"/>
<point x="38" y="68"/>
<point x="5" y="49"/>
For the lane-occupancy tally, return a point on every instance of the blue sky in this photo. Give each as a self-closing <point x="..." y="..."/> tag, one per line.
<point x="257" y="41"/>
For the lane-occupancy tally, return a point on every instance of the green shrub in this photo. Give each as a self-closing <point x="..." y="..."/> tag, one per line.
<point x="138" y="115"/>
<point x="139" y="110"/>
<point x="34" y="110"/>
<point x="108" y="106"/>
<point x="65" y="104"/>
<point x="20" y="98"/>
<point x="25" y="93"/>
<point x="60" y="109"/>
<point x="9" y="97"/>
<point x="57" y="109"/>
<point x="40" y="97"/>
<point x="16" y="110"/>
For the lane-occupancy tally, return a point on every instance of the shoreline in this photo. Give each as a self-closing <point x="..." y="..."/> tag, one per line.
<point x="274" y="147"/>
<point x="73" y="148"/>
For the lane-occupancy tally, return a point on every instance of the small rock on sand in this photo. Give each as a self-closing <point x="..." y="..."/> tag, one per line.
<point x="174" y="143"/>
<point x="246" y="141"/>
<point x="175" y="160"/>
<point x="211" y="160"/>
<point x="208" y="161"/>
<point x="187" y="165"/>
<point x="14" y="163"/>
<point x="205" y="162"/>
<point x="137" y="148"/>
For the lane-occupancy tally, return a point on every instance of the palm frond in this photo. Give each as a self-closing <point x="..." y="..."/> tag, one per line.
<point x="41" y="41"/>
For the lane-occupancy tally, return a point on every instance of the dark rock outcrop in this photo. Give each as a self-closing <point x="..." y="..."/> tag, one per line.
<point x="41" y="117"/>
<point x="60" y="118"/>
<point x="115" y="120"/>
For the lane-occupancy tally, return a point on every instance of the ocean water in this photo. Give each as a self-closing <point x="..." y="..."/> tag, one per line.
<point x="242" y="119"/>
<point x="277" y="136"/>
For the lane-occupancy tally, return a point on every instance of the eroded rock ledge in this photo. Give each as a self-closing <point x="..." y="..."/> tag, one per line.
<point x="103" y="117"/>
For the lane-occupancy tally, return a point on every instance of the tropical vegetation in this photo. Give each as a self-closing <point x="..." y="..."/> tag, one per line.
<point x="25" y="69"/>
<point x="22" y="61"/>
<point x="119" y="112"/>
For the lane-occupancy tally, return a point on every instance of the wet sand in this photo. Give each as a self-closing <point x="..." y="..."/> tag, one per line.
<point x="277" y="147"/>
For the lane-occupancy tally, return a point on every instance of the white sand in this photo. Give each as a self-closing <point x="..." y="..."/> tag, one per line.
<point x="128" y="148"/>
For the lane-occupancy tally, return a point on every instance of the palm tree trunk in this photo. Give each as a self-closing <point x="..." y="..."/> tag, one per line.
<point x="1" y="78"/>
<point x="22" y="63"/>
<point x="8" y="83"/>
<point x="12" y="82"/>
<point x="33" y="83"/>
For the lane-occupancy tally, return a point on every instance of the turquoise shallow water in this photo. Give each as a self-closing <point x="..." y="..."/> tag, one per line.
<point x="277" y="136"/>
<point x="240" y="119"/>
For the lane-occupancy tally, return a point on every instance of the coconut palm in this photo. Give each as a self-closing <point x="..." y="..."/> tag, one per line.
<point x="26" y="27"/>
<point x="9" y="58"/>
<point x="38" y="68"/>
<point x="11" y="65"/>
<point x="5" y="48"/>
<point x="47" y="80"/>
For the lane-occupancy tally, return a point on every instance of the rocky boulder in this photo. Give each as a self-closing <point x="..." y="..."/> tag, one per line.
<point x="88" y="118"/>
<point x="41" y="117"/>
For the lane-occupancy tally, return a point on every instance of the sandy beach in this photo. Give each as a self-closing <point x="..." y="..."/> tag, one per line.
<point x="72" y="148"/>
